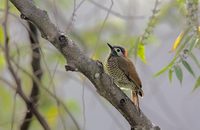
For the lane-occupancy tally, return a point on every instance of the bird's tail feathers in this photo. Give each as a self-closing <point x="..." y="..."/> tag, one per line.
<point x="135" y="100"/>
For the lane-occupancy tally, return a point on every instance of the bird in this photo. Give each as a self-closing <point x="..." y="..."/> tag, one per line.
<point x="124" y="73"/>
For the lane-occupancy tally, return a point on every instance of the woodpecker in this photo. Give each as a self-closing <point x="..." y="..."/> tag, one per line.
<point x="123" y="71"/>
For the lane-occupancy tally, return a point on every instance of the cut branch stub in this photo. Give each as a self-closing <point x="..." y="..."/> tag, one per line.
<point x="70" y="68"/>
<point x="22" y="16"/>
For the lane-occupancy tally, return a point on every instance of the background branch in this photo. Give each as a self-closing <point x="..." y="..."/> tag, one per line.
<point x="93" y="70"/>
<point x="15" y="76"/>
<point x="37" y="71"/>
<point x="127" y="17"/>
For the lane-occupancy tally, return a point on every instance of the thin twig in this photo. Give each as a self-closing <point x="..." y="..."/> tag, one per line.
<point x="54" y="92"/>
<point x="105" y="107"/>
<point x="18" y="54"/>
<point x="55" y="12"/>
<point x="83" y="102"/>
<point x="102" y="26"/>
<point x="147" y="31"/>
<point x="79" y="5"/>
<point x="8" y="83"/>
<point x="14" y="111"/>
<point x="72" y="18"/>
<point x="115" y="13"/>
<point x="13" y="87"/>
<point x="49" y="92"/>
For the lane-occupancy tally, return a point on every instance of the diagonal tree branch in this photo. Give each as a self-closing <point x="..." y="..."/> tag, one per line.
<point x="37" y="71"/>
<point x="77" y="61"/>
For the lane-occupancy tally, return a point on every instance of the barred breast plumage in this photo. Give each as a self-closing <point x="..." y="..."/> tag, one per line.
<point x="118" y="75"/>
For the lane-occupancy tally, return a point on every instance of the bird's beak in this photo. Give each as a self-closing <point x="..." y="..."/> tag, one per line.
<point x="111" y="47"/>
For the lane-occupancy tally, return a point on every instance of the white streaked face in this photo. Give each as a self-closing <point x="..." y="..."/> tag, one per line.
<point x="118" y="51"/>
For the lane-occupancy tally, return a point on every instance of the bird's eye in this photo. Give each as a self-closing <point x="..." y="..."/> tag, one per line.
<point x="118" y="50"/>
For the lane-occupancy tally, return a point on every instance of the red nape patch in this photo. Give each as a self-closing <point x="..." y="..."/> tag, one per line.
<point x="126" y="53"/>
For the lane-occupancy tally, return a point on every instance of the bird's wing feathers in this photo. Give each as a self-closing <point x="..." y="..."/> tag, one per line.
<point x="128" y="68"/>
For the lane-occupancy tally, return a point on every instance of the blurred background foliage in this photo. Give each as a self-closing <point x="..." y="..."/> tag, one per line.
<point x="92" y="24"/>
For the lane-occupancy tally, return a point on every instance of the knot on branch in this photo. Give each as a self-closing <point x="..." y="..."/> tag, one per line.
<point x="22" y="16"/>
<point x="96" y="75"/>
<point x="99" y="63"/>
<point x="156" y="128"/>
<point x="70" y="68"/>
<point x="63" y="40"/>
<point x="122" y="101"/>
<point x="43" y="35"/>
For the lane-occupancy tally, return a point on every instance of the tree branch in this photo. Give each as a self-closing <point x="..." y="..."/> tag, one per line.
<point x="76" y="59"/>
<point x="37" y="71"/>
<point x="126" y="17"/>
<point x="15" y="76"/>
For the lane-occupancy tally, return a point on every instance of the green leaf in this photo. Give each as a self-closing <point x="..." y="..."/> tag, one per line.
<point x="141" y="53"/>
<point x="197" y="84"/>
<point x="193" y="44"/>
<point x="185" y="40"/>
<point x="178" y="72"/>
<point x="195" y="59"/>
<point x="178" y="41"/>
<point x="170" y="75"/>
<point x="165" y="68"/>
<point x="187" y="66"/>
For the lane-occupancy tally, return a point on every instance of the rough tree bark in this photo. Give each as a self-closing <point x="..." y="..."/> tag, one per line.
<point x="77" y="61"/>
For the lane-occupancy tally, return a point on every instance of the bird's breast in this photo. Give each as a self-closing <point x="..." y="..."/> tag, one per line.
<point x="118" y="75"/>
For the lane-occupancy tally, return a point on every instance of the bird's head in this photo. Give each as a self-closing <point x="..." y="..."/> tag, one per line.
<point x="117" y="51"/>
